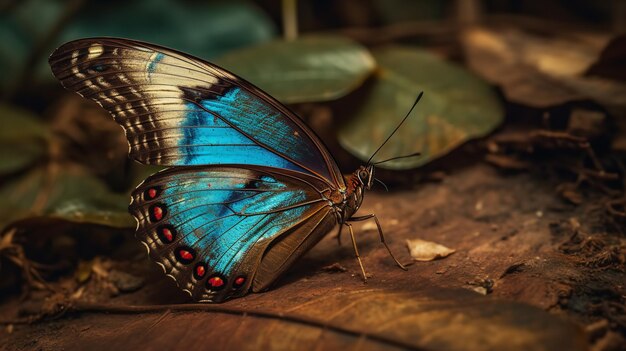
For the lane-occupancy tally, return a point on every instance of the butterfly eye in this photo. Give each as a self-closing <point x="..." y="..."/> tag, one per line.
<point x="363" y="175"/>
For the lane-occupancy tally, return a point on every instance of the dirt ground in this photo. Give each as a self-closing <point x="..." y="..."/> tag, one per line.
<point x="531" y="271"/>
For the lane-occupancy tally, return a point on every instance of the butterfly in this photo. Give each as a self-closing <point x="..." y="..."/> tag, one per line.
<point x="249" y="189"/>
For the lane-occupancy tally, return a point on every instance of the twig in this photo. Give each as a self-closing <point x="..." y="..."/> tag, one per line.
<point x="565" y="139"/>
<point x="15" y="253"/>
<point x="290" y="19"/>
<point x="613" y="205"/>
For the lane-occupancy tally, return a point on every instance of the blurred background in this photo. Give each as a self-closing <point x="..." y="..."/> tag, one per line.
<point x="521" y="85"/>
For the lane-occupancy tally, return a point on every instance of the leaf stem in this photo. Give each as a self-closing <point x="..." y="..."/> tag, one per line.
<point x="290" y="20"/>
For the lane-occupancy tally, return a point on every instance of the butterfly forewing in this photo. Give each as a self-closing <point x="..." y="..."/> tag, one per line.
<point x="178" y="110"/>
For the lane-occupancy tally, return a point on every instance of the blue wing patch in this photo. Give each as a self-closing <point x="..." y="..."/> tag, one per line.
<point x="209" y="227"/>
<point x="207" y="139"/>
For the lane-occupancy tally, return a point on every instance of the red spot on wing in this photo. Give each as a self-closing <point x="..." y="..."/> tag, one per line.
<point x="185" y="254"/>
<point x="152" y="193"/>
<point x="216" y="282"/>
<point x="239" y="281"/>
<point x="167" y="234"/>
<point x="157" y="213"/>
<point x="200" y="271"/>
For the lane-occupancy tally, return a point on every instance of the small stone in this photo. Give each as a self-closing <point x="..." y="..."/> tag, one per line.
<point x="125" y="282"/>
<point x="334" y="268"/>
<point x="478" y="206"/>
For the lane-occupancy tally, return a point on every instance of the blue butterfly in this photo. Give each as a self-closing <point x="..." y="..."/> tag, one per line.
<point x="250" y="189"/>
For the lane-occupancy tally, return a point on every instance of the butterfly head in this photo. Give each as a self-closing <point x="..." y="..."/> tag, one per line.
<point x="365" y="175"/>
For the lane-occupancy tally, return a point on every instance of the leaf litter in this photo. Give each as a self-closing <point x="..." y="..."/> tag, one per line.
<point x="423" y="250"/>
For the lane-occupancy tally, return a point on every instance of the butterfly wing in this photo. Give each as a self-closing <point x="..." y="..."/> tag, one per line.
<point x="178" y="110"/>
<point x="212" y="227"/>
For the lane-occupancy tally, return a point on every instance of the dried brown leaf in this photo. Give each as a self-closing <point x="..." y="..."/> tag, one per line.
<point x="422" y="250"/>
<point x="540" y="71"/>
<point x="427" y="318"/>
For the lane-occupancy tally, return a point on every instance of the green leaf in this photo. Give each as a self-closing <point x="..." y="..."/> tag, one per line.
<point x="206" y="30"/>
<point x="202" y="29"/>
<point x="395" y="11"/>
<point x="14" y="157"/>
<point x="21" y="28"/>
<point x="139" y="173"/>
<point x="63" y="192"/>
<point x="314" y="68"/>
<point x="23" y="139"/>
<point x="456" y="107"/>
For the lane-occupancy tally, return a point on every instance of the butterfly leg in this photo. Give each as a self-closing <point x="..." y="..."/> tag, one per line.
<point x="356" y="251"/>
<point x="338" y="236"/>
<point x="380" y="232"/>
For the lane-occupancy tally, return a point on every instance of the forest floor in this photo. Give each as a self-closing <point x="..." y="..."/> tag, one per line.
<point x="531" y="271"/>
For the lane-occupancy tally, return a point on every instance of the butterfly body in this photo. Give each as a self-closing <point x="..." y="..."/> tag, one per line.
<point x="249" y="188"/>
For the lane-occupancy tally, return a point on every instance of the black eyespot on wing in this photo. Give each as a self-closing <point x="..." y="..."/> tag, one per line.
<point x="157" y="212"/>
<point x="99" y="67"/>
<point x="185" y="255"/>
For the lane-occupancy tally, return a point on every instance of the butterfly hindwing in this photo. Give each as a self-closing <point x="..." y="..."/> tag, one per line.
<point x="178" y="110"/>
<point x="211" y="227"/>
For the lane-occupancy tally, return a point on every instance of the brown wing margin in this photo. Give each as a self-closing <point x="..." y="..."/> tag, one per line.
<point x="283" y="251"/>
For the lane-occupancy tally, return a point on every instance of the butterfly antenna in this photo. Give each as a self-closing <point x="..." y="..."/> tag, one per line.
<point x="383" y="184"/>
<point x="398" y="127"/>
<point x="415" y="154"/>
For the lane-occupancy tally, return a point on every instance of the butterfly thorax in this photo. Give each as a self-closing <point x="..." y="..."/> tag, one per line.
<point x="356" y="184"/>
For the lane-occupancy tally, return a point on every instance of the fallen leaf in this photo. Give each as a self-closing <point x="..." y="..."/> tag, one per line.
<point x="64" y="192"/>
<point x="611" y="62"/>
<point x="456" y="106"/>
<point x="422" y="250"/>
<point x="313" y="68"/>
<point x="23" y="139"/>
<point x="83" y="271"/>
<point x="540" y="71"/>
<point x="481" y="286"/>
<point x="368" y="319"/>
